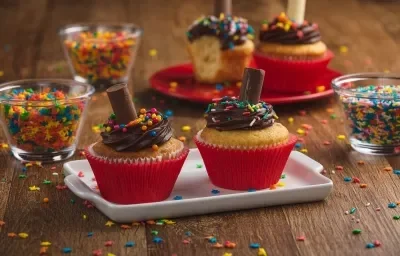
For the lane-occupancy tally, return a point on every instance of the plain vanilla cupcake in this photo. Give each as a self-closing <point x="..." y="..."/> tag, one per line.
<point x="220" y="48"/>
<point x="242" y="146"/>
<point x="137" y="161"/>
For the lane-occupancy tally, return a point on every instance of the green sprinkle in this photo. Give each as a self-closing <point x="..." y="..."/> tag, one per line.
<point x="22" y="176"/>
<point x="154" y="232"/>
<point x="333" y="116"/>
<point x="356" y="231"/>
<point x="283" y="176"/>
<point x="353" y="210"/>
<point x="199" y="165"/>
<point x="46" y="182"/>
<point x="396" y="217"/>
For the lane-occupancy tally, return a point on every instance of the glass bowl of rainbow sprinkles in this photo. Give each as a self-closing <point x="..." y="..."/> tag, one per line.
<point x="42" y="118"/>
<point x="100" y="54"/>
<point x="371" y="105"/>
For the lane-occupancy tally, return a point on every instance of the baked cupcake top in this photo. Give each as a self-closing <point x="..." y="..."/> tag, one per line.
<point x="282" y="30"/>
<point x="229" y="113"/>
<point x="149" y="130"/>
<point x="230" y="30"/>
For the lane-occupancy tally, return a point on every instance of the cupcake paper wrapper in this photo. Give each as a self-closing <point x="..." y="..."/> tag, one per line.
<point x="291" y="76"/>
<point x="244" y="169"/>
<point x="132" y="183"/>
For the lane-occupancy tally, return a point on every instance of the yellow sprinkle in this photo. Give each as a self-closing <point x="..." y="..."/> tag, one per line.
<point x="110" y="254"/>
<point x="169" y="222"/>
<point x="173" y="84"/>
<point x="280" y="184"/>
<point x="84" y="217"/>
<point x="341" y="137"/>
<point x="262" y="252"/>
<point x="291" y="120"/>
<point x="343" y="49"/>
<point x="34" y="188"/>
<point x="300" y="131"/>
<point x="23" y="235"/>
<point x="1" y="73"/>
<point x="153" y="52"/>
<point x="321" y="88"/>
<point x="4" y="145"/>
<point x="227" y="254"/>
<point x="386" y="71"/>
<point x="28" y="164"/>
<point x="305" y="151"/>
<point x="109" y="223"/>
<point x="45" y="243"/>
<point x="96" y="129"/>
<point x="186" y="128"/>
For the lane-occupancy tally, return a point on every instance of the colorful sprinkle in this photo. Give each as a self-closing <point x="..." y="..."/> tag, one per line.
<point x="347" y="179"/>
<point x="392" y="205"/>
<point x="109" y="223"/>
<point x="129" y="244"/>
<point x="290" y="120"/>
<point x="178" y="198"/>
<point x="261" y="252"/>
<point x="152" y="52"/>
<point x="157" y="240"/>
<point x="369" y="246"/>
<point x="356" y="231"/>
<point x="341" y="137"/>
<point x="215" y="191"/>
<point x="363" y="185"/>
<point x="186" y="128"/>
<point x="66" y="250"/>
<point x="254" y="245"/>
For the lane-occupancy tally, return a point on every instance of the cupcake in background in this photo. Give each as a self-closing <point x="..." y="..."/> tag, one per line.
<point x="292" y="55"/>
<point x="138" y="160"/>
<point x="242" y="146"/>
<point x="220" y="47"/>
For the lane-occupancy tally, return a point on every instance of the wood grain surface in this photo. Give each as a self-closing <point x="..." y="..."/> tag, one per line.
<point x="30" y="48"/>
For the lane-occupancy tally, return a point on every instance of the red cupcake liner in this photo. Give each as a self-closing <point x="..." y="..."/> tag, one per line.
<point x="134" y="183"/>
<point x="291" y="76"/>
<point x="245" y="169"/>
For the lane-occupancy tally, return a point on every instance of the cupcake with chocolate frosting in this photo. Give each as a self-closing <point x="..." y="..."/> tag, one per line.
<point x="220" y="47"/>
<point x="137" y="160"/>
<point x="292" y="54"/>
<point x="242" y="145"/>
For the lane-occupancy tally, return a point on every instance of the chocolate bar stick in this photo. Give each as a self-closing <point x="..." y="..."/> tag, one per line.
<point x="222" y="6"/>
<point x="121" y="103"/>
<point x="252" y="84"/>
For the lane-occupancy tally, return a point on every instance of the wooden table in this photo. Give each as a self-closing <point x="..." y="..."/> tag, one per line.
<point x="370" y="30"/>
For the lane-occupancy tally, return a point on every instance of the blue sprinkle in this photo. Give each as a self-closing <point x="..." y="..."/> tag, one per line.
<point x="130" y="244"/>
<point x="212" y="240"/>
<point x="157" y="240"/>
<point x="153" y="133"/>
<point x="188" y="233"/>
<point x="219" y="87"/>
<point x="251" y="190"/>
<point x="347" y="179"/>
<point x="178" y="198"/>
<point x="297" y="145"/>
<point x="396" y="172"/>
<point x="66" y="250"/>
<point x="370" y="245"/>
<point x="254" y="245"/>
<point x="24" y="169"/>
<point x="90" y="234"/>
<point x="168" y="113"/>
<point x="392" y="205"/>
<point x="215" y="191"/>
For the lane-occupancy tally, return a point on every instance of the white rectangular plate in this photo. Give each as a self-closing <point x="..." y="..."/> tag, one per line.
<point x="303" y="183"/>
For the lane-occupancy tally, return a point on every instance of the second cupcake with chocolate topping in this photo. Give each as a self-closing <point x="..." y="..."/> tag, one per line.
<point x="138" y="160"/>
<point x="242" y="146"/>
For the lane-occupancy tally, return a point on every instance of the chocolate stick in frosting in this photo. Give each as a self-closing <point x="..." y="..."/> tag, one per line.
<point x="252" y="84"/>
<point x="121" y="103"/>
<point x="222" y="6"/>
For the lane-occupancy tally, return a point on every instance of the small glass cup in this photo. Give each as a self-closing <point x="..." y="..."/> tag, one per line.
<point x="100" y="54"/>
<point x="371" y="105"/>
<point x="41" y="117"/>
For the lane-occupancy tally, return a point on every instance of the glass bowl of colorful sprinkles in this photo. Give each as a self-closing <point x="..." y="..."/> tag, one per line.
<point x="371" y="105"/>
<point x="100" y="54"/>
<point x="41" y="117"/>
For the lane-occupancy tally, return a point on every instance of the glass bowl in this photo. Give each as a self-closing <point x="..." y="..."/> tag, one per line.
<point x="41" y="117"/>
<point x="100" y="54"/>
<point x="371" y="105"/>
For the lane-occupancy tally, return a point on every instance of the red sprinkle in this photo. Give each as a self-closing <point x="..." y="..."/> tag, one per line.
<point x="53" y="168"/>
<point x="327" y="143"/>
<point x="306" y="126"/>
<point x="377" y="243"/>
<point x="324" y="121"/>
<point x="246" y="113"/>
<point x="302" y="112"/>
<point x="81" y="175"/>
<point x="61" y="187"/>
<point x="108" y="243"/>
<point x="339" y="168"/>
<point x="356" y="180"/>
<point x="185" y="241"/>
<point x="300" y="238"/>
<point x="97" y="252"/>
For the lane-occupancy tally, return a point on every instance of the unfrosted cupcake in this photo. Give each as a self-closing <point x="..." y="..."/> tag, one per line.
<point x="242" y="146"/>
<point x="292" y="55"/>
<point x="220" y="48"/>
<point x="138" y="160"/>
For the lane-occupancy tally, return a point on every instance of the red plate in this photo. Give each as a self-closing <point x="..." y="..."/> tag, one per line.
<point x="189" y="89"/>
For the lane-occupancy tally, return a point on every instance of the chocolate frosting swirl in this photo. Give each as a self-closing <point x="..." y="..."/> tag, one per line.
<point x="150" y="128"/>
<point x="228" y="113"/>
<point x="283" y="31"/>
<point x="231" y="31"/>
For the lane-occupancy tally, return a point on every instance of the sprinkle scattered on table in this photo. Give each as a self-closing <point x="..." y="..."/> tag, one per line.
<point x="23" y="235"/>
<point x="199" y="166"/>
<point x="97" y="252"/>
<point x="341" y="137"/>
<point x="125" y="227"/>
<point x="66" y="250"/>
<point x="109" y="223"/>
<point x="108" y="243"/>
<point x="347" y="179"/>
<point x="186" y="128"/>
<point x="178" y="198"/>
<point x="363" y="185"/>
<point x="356" y="231"/>
<point x="157" y="240"/>
<point x="34" y="188"/>
<point x="392" y="205"/>
<point x="12" y="235"/>
<point x="218" y="245"/>
<point x="46" y="243"/>
<point x="153" y="52"/>
<point x="215" y="191"/>
<point x="129" y="244"/>
<point x="254" y="245"/>
<point x="261" y="252"/>
<point x="301" y="238"/>
<point x="90" y="234"/>
<point x="229" y="244"/>
<point x="370" y="245"/>
<point x="388" y="169"/>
